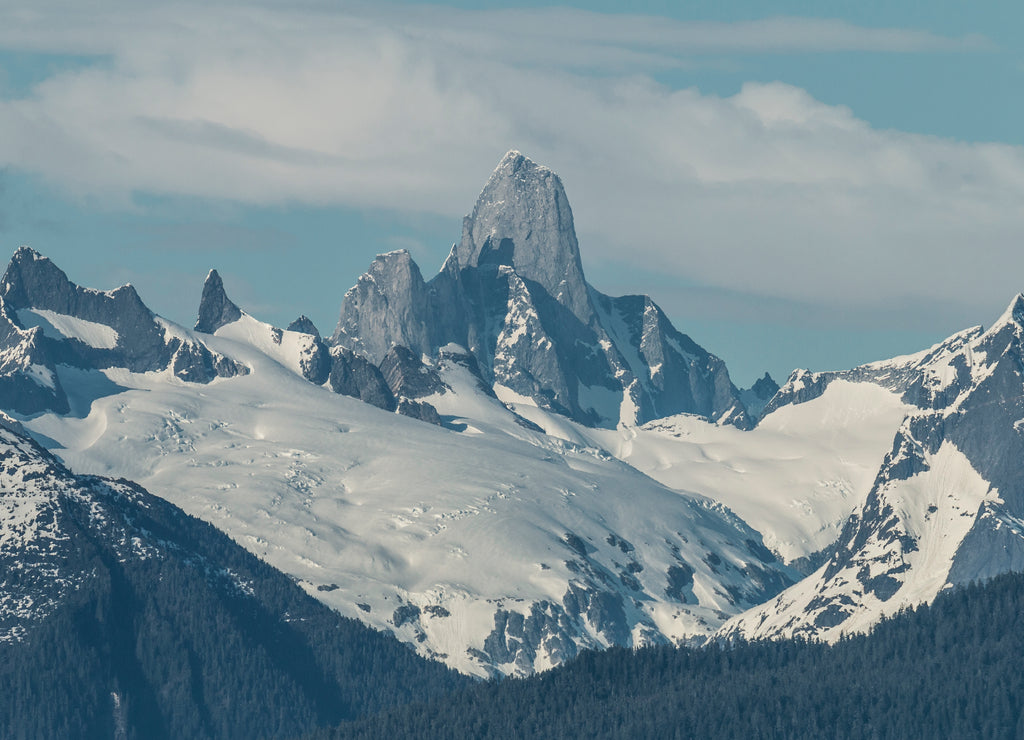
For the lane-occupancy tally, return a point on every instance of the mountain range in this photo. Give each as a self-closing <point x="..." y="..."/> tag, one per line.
<point x="503" y="466"/>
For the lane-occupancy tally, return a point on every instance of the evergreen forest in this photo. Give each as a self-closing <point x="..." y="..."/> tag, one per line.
<point x="949" y="670"/>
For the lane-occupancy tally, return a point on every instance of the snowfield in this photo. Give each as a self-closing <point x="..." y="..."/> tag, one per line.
<point x="795" y="478"/>
<point x="422" y="530"/>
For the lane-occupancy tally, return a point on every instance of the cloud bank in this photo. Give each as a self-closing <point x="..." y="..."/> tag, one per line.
<point x="767" y="193"/>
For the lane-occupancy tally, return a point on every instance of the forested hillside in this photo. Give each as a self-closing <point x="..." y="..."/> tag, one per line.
<point x="952" y="669"/>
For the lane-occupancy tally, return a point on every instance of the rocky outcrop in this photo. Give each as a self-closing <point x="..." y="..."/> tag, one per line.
<point x="304" y="325"/>
<point x="757" y="397"/>
<point x="387" y="307"/>
<point x="420" y="410"/>
<point x="407" y="376"/>
<point x="354" y="375"/>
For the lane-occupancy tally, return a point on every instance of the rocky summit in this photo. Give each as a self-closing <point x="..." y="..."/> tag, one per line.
<point x="513" y="292"/>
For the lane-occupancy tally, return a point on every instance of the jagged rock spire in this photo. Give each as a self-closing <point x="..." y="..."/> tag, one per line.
<point x="215" y="308"/>
<point x="523" y="219"/>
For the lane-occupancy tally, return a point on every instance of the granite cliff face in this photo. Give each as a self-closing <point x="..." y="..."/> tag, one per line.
<point x="387" y="307"/>
<point x="513" y="292"/>
<point x="522" y="219"/>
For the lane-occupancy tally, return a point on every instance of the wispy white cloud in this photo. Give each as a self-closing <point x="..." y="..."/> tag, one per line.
<point x="768" y="192"/>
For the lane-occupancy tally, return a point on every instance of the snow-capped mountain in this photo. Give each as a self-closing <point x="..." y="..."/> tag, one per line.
<point x="947" y="505"/>
<point x="480" y="539"/>
<point x="513" y="292"/>
<point x="587" y="476"/>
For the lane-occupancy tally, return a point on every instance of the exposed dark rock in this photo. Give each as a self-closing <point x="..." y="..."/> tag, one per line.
<point x="316" y="361"/>
<point x="215" y="308"/>
<point x="354" y="375"/>
<point x="405" y="614"/>
<point x="761" y="552"/>
<point x="630" y="582"/>
<point x="615" y="541"/>
<point x="680" y="580"/>
<point x="577" y="545"/>
<point x="407" y="376"/>
<point x="419" y="410"/>
<point x="765" y="387"/>
<point x="304" y="325"/>
<point x="758" y="395"/>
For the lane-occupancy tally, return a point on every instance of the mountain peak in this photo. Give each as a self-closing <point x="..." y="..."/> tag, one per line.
<point x="522" y="218"/>
<point x="215" y="308"/>
<point x="304" y="325"/>
<point x="32" y="280"/>
<point x="516" y="163"/>
<point x="25" y="253"/>
<point x="765" y="387"/>
<point x="386" y="306"/>
<point x="394" y="256"/>
<point x="1014" y="313"/>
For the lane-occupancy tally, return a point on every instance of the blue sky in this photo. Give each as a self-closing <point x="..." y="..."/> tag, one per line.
<point x="797" y="184"/>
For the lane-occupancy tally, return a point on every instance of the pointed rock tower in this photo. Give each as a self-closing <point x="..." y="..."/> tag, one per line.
<point x="522" y="219"/>
<point x="513" y="293"/>
<point x="215" y="308"/>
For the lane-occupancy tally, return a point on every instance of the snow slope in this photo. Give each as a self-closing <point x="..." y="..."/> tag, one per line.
<point x="293" y="350"/>
<point x="61" y="326"/>
<point x="503" y="552"/>
<point x="934" y="511"/>
<point x="795" y="478"/>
